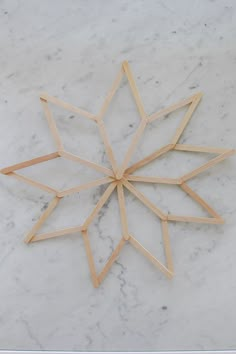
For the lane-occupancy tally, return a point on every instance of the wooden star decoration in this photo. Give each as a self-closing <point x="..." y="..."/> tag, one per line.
<point x="120" y="177"/>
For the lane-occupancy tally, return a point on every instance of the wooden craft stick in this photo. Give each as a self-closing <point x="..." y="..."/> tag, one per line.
<point x="196" y="219"/>
<point x="100" y="204"/>
<point x="111" y="260"/>
<point x="172" y="108"/>
<point x="82" y="187"/>
<point x="95" y="166"/>
<point x="68" y="106"/>
<point x="207" y="165"/>
<point x="52" y="124"/>
<point x="147" y="179"/>
<point x="151" y="258"/>
<point x="200" y="201"/>
<point x="186" y="119"/>
<point x="107" y="145"/>
<point x="90" y="258"/>
<point x="144" y="200"/>
<point x="149" y="158"/>
<point x="167" y="247"/>
<point x="111" y="93"/>
<point x="131" y="148"/>
<point x="62" y="232"/>
<point x="52" y="205"/>
<point x="134" y="89"/>
<point x="28" y="163"/>
<point x="194" y="148"/>
<point x="33" y="183"/>
<point x="123" y="214"/>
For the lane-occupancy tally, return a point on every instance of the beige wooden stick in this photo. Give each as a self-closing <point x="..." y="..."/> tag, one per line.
<point x="95" y="166"/>
<point x="52" y="124"/>
<point x="207" y="165"/>
<point x="134" y="89"/>
<point x="111" y="260"/>
<point x="123" y="214"/>
<point x="144" y="200"/>
<point x="90" y="258"/>
<point x="131" y="148"/>
<point x="28" y="163"/>
<point x="33" y="183"/>
<point x="147" y="179"/>
<point x="201" y="201"/>
<point x="62" y="232"/>
<point x="167" y="247"/>
<point x="82" y="187"/>
<point x="52" y="205"/>
<point x="67" y="106"/>
<point x="194" y="148"/>
<point x="107" y="145"/>
<point x="151" y="258"/>
<point x="100" y="204"/>
<point x="196" y="219"/>
<point x="186" y="119"/>
<point x="172" y="108"/>
<point x="111" y="93"/>
<point x="149" y="158"/>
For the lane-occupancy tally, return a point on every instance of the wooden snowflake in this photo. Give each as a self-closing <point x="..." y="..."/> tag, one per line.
<point x="120" y="177"/>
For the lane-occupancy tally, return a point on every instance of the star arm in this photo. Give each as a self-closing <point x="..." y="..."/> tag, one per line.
<point x="151" y="258"/>
<point x="111" y="93"/>
<point x="123" y="214"/>
<point x="134" y="89"/>
<point x="100" y="204"/>
<point x="207" y="165"/>
<point x="28" y="163"/>
<point x="149" y="158"/>
<point x="144" y="200"/>
<point x="67" y="106"/>
<point x="82" y="187"/>
<point x="147" y="179"/>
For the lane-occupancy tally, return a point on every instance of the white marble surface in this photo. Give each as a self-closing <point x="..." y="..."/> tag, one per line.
<point x="73" y="49"/>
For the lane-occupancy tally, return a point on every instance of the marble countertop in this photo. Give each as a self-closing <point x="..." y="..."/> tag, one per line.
<point x="73" y="50"/>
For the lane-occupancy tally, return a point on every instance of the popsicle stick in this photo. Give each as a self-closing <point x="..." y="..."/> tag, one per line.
<point x="123" y="215"/>
<point x="134" y="89"/>
<point x="82" y="187"/>
<point x="111" y="93"/>
<point x="111" y="260"/>
<point x="33" y="183"/>
<point x="149" y="158"/>
<point x="196" y="219"/>
<point x="52" y="205"/>
<point x="166" y="240"/>
<point x="150" y="257"/>
<point x="194" y="148"/>
<point x="52" y="124"/>
<point x="144" y="200"/>
<point x="107" y="145"/>
<point x="172" y="108"/>
<point x="147" y="179"/>
<point x="62" y="232"/>
<point x="131" y="148"/>
<point x="186" y="119"/>
<point x="95" y="166"/>
<point x="28" y="163"/>
<point x="200" y="201"/>
<point x="67" y="106"/>
<point x="100" y="204"/>
<point x="90" y="258"/>
<point x="207" y="165"/>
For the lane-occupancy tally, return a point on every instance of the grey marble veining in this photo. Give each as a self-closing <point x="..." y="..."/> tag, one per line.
<point x="73" y="50"/>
